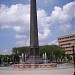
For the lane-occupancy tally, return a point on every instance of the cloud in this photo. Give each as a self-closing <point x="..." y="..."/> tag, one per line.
<point x="18" y="17"/>
<point x="46" y="1"/>
<point x="54" y="42"/>
<point x="23" y="43"/>
<point x="63" y="16"/>
<point x="5" y="51"/>
<point x="66" y="27"/>
<point x="44" y="24"/>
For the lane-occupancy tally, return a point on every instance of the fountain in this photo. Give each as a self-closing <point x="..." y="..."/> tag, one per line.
<point x="34" y="60"/>
<point x="45" y="58"/>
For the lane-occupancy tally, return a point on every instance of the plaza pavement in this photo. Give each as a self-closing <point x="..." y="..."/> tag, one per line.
<point x="38" y="71"/>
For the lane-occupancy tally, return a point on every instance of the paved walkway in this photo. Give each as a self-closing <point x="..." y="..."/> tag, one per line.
<point x="68" y="71"/>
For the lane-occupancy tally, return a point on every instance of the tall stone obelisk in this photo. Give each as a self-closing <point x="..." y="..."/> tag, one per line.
<point x="34" y="46"/>
<point x="34" y="57"/>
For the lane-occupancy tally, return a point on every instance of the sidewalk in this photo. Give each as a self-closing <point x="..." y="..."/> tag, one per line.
<point x="68" y="71"/>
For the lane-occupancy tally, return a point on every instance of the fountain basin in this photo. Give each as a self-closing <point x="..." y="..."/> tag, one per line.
<point x="22" y="66"/>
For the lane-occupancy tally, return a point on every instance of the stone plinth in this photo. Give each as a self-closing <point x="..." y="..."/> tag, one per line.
<point x="26" y="66"/>
<point x="34" y="60"/>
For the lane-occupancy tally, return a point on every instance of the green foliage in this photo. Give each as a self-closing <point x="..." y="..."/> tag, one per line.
<point x="68" y="57"/>
<point x="14" y="58"/>
<point x="20" y="50"/>
<point x="0" y="58"/>
<point x="9" y="58"/>
<point x="53" y="52"/>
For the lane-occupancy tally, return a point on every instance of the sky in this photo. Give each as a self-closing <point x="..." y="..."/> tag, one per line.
<point x="55" y="19"/>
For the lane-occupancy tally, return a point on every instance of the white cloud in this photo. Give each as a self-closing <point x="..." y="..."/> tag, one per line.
<point x="20" y="36"/>
<point x="63" y="16"/>
<point x="5" y="26"/>
<point x="46" y="1"/>
<point x="18" y="17"/>
<point x="5" y="51"/>
<point x="22" y="31"/>
<point x="23" y="43"/>
<point x="66" y="27"/>
<point x="44" y="23"/>
<point x="54" y="42"/>
<point x="45" y="34"/>
<point x="17" y="28"/>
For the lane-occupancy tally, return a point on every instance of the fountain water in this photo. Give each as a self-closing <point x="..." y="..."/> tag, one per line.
<point x="45" y="58"/>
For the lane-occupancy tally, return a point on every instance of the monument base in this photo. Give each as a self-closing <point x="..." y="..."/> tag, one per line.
<point x="34" y="60"/>
<point x="26" y="66"/>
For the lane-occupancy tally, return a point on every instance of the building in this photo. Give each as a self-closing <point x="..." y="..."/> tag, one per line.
<point x="66" y="43"/>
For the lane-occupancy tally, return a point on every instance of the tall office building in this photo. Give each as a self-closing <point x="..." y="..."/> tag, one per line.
<point x="66" y="43"/>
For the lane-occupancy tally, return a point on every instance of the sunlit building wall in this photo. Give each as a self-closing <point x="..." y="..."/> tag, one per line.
<point x="66" y="43"/>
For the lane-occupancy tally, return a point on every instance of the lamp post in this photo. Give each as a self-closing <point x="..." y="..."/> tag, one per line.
<point x="73" y="55"/>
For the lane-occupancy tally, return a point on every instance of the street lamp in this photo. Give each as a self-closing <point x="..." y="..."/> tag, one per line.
<point x="73" y="55"/>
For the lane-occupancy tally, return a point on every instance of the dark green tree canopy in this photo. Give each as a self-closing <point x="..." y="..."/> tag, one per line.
<point x="20" y="50"/>
<point x="51" y="50"/>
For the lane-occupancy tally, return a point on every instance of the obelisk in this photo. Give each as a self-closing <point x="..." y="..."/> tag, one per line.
<point x="34" y="46"/>
<point x="34" y="57"/>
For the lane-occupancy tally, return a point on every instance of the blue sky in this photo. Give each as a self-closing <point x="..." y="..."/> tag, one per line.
<point x="55" y="18"/>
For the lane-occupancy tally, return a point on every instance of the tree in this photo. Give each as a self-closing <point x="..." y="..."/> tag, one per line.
<point x="1" y="59"/>
<point x="68" y="57"/>
<point x="20" y="50"/>
<point x="53" y="52"/>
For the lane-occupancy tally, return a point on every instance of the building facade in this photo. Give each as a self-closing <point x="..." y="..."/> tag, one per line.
<point x="66" y="42"/>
